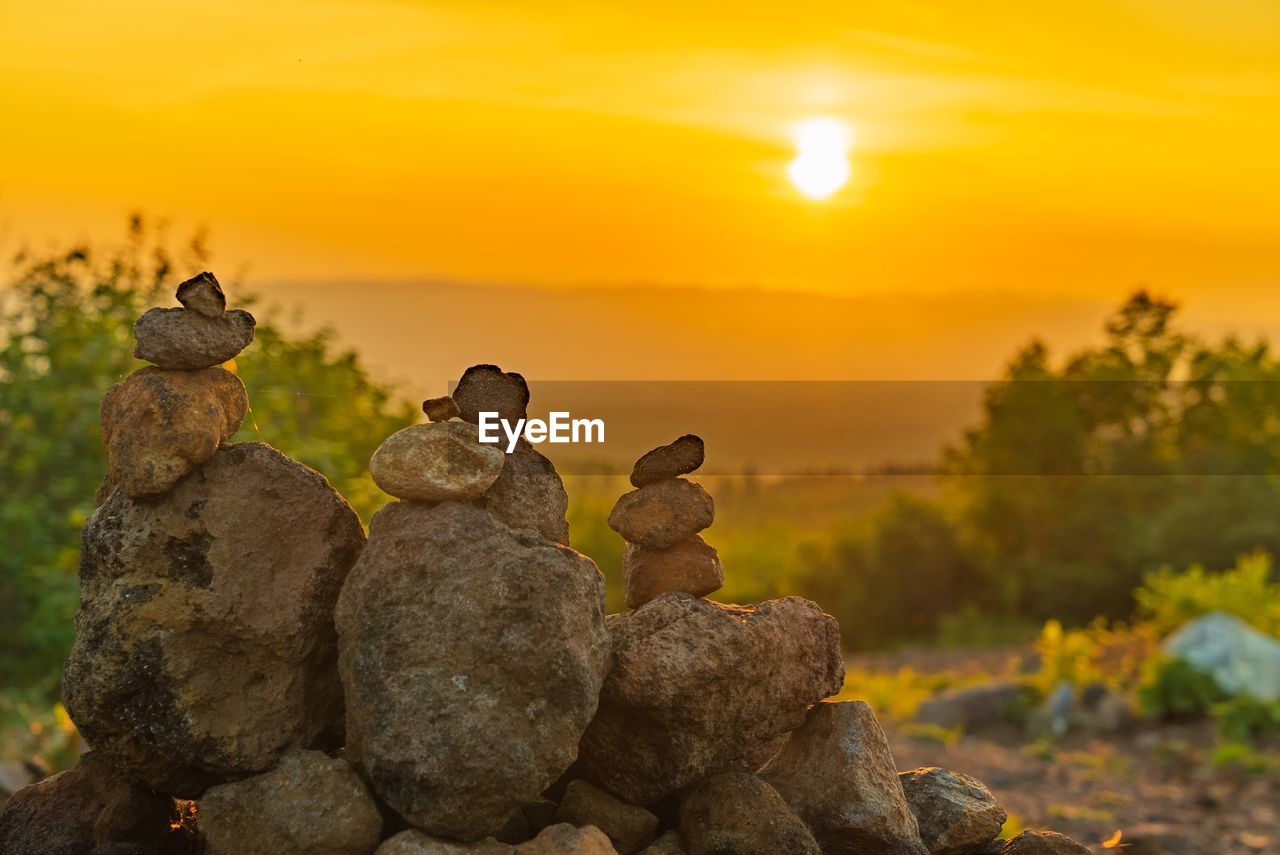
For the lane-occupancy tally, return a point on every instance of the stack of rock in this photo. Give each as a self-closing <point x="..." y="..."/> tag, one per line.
<point x="660" y="521"/>
<point x="235" y="627"/>
<point x="472" y="639"/>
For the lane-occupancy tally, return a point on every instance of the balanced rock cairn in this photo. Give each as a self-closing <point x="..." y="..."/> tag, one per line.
<point x="660" y="521"/>
<point x="452" y="685"/>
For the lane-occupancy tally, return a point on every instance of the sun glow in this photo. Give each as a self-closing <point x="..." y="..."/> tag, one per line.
<point x="821" y="166"/>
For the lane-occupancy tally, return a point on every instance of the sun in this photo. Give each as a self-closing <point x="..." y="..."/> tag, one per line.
<point x="821" y="166"/>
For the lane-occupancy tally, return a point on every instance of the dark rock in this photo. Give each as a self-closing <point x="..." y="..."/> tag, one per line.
<point x="838" y="775"/>
<point x="86" y="806"/>
<point x="628" y="827"/>
<point x="489" y="389"/>
<point x="529" y="494"/>
<point x="736" y="812"/>
<point x="205" y="647"/>
<point x="696" y="685"/>
<point x="124" y="849"/>
<point x="663" y="514"/>
<point x="203" y="294"/>
<point x="691" y="566"/>
<point x="441" y="409"/>
<point x="437" y="462"/>
<point x="973" y="708"/>
<point x="1042" y="843"/>
<point x="183" y="340"/>
<point x="540" y="813"/>
<point x="472" y="655"/>
<point x="680" y="457"/>
<point x="668" y="844"/>
<point x="310" y="803"/>
<point x="158" y="425"/>
<point x="957" y="815"/>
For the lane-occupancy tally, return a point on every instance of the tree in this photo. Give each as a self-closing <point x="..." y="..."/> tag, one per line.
<point x="65" y="336"/>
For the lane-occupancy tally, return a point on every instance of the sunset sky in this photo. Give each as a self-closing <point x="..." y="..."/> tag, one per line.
<point x="1037" y="152"/>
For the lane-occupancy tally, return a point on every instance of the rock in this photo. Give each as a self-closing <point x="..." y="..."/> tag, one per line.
<point x="668" y="844"/>
<point x="736" y="812"/>
<point x="89" y="805"/>
<point x="515" y="830"/>
<point x="124" y="849"/>
<point x="1241" y="660"/>
<point x="564" y="839"/>
<point x="310" y="803"/>
<point x="956" y="814"/>
<point x="838" y="775"/>
<point x="696" y="685"/>
<point x="628" y="827"/>
<point x="437" y="462"/>
<point x="680" y="457"/>
<point x="441" y="409"/>
<point x="183" y="340"/>
<point x="414" y="842"/>
<point x="158" y="425"/>
<point x="528" y="493"/>
<point x="205" y="648"/>
<point x="487" y="388"/>
<point x="660" y="515"/>
<point x="472" y="656"/>
<point x="691" y="565"/>
<point x="540" y="813"/>
<point x="204" y="295"/>
<point x="755" y="759"/>
<point x="973" y="708"/>
<point x="1043" y="843"/>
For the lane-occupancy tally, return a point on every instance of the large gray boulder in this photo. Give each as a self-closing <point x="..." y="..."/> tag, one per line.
<point x="838" y="775"/>
<point x="697" y="685"/>
<point x="1241" y="660"/>
<point x="472" y="656"/>
<point x="205" y="647"/>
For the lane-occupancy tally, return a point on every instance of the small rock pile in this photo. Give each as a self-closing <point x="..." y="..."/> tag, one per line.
<point x="661" y="521"/>
<point x="452" y="684"/>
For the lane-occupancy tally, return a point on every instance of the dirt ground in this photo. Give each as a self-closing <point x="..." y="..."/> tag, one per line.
<point x="1157" y="784"/>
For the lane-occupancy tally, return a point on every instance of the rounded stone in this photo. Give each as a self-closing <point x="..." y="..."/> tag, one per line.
<point x="436" y="462"/>
<point x="691" y="566"/>
<point x="158" y="425"/>
<point x="660" y="515"/>
<point x="185" y="340"/>
<point x="309" y="803"/>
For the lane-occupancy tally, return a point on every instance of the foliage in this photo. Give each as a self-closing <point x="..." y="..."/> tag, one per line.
<point x="1169" y="598"/>
<point x="1172" y="687"/>
<point x="66" y="336"/>
<point x="1110" y="654"/>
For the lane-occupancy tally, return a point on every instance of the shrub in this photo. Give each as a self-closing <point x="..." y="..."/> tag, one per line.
<point x="1168" y="598"/>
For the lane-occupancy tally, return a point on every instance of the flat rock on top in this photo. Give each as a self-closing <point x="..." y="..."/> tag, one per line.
<point x="186" y="340"/>
<point x="697" y="685"/>
<point x="680" y="457"/>
<point x="203" y="294"/>
<point x="487" y="388"/>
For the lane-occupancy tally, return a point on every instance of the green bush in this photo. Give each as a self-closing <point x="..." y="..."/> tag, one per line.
<point x="1173" y="688"/>
<point x="1169" y="598"/>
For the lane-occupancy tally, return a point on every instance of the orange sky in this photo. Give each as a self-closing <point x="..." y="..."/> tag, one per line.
<point x="1034" y="149"/>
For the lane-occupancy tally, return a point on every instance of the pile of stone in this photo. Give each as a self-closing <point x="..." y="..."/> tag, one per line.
<point x="660" y="521"/>
<point x="253" y="676"/>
